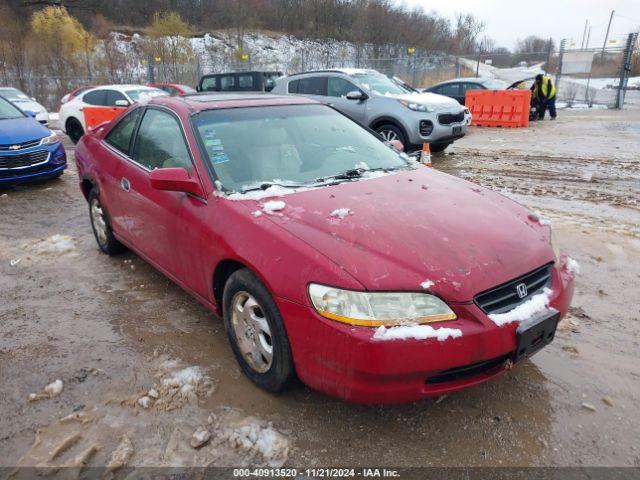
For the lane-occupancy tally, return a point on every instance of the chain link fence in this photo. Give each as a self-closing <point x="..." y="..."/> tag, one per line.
<point x="606" y="82"/>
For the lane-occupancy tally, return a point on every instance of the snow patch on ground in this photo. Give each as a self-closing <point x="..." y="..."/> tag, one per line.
<point x="536" y="304"/>
<point x="418" y="332"/>
<point x="256" y="436"/>
<point x="573" y="267"/>
<point x="273" y="206"/>
<point x="341" y="213"/>
<point x="55" y="244"/>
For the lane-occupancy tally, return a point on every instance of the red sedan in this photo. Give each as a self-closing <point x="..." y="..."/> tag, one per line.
<point x="172" y="88"/>
<point x="329" y="254"/>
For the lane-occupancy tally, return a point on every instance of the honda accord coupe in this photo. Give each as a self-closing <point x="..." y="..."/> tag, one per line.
<point x="328" y="253"/>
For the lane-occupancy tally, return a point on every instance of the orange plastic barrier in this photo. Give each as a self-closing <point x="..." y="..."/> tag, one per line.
<point x="94" y="116"/>
<point x="499" y="108"/>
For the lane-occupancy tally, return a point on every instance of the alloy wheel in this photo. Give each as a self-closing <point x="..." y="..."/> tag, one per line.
<point x="99" y="222"/>
<point x="252" y="332"/>
<point x="389" y="135"/>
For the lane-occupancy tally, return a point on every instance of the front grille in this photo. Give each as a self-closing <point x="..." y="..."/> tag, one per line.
<point x="426" y="127"/>
<point x="23" y="160"/>
<point x="505" y="297"/>
<point x="11" y="147"/>
<point x="467" y="371"/>
<point x="449" y="118"/>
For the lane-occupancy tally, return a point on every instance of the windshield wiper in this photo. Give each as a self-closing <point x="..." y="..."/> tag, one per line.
<point x="346" y="175"/>
<point x="265" y="185"/>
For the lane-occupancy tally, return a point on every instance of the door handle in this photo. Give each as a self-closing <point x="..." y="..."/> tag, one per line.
<point x="124" y="183"/>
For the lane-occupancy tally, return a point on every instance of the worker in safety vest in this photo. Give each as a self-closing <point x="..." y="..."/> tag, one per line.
<point x="544" y="92"/>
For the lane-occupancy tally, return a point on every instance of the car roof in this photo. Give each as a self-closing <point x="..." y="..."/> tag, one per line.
<point x="209" y="101"/>
<point x="240" y="71"/>
<point x="345" y="71"/>
<point x="122" y="88"/>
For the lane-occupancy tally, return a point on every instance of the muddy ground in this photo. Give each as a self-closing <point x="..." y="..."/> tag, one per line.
<point x="113" y="328"/>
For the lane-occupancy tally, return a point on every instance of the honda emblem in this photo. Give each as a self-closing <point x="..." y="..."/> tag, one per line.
<point x="522" y="290"/>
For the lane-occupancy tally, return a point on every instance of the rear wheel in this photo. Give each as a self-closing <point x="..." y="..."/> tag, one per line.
<point x="101" y="226"/>
<point x="389" y="132"/>
<point x="256" y="332"/>
<point x="74" y="130"/>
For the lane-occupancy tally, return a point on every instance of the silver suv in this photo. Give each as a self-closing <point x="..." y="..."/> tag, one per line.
<point x="377" y="102"/>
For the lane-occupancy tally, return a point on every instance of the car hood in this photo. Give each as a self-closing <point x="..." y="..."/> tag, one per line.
<point x="21" y="130"/>
<point x="419" y="226"/>
<point x="433" y="100"/>
<point x="29" y="106"/>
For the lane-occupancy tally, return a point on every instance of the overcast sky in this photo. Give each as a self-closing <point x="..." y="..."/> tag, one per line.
<point x="508" y="20"/>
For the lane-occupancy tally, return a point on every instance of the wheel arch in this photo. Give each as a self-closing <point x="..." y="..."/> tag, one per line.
<point x="224" y="269"/>
<point x="379" y="121"/>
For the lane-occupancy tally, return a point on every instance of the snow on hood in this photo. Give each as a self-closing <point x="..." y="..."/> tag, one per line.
<point x="414" y="225"/>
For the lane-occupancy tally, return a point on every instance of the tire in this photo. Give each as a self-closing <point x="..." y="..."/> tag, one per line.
<point x="74" y="130"/>
<point x="273" y="372"/>
<point x="101" y="226"/>
<point x="389" y="132"/>
<point x="439" y="147"/>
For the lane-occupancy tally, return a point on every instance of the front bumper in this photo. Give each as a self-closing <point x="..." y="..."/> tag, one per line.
<point x="54" y="165"/>
<point x="346" y="362"/>
<point x="439" y="134"/>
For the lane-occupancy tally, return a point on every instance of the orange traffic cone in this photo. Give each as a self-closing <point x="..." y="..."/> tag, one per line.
<point x="425" y="155"/>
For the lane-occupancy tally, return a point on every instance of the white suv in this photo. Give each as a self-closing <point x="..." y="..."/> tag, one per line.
<point x="377" y="102"/>
<point x="110" y="96"/>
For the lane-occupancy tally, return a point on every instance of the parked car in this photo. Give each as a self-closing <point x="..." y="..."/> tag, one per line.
<point x="283" y="216"/>
<point x="74" y="93"/>
<point x="71" y="117"/>
<point x="238" y="82"/>
<point x="457" y="88"/>
<point x="172" y="88"/>
<point x="378" y="102"/>
<point x="28" y="150"/>
<point x="25" y="103"/>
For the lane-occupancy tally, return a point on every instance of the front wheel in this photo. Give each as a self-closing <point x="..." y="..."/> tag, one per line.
<point x="256" y="332"/>
<point x="101" y="226"/>
<point x="439" y="147"/>
<point x="390" y="132"/>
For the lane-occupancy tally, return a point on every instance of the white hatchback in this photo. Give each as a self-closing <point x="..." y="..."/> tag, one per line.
<point x="71" y="113"/>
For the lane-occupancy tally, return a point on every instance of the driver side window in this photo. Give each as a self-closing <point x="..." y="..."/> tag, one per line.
<point x="160" y="143"/>
<point x="339" y="87"/>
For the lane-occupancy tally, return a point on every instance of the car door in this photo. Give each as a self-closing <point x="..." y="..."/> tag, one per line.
<point x="452" y="90"/>
<point x="337" y="90"/>
<point x="469" y="86"/>
<point x="158" y="225"/>
<point x="116" y="150"/>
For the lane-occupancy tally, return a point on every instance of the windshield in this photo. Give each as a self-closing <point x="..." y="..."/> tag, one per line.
<point x="495" y="85"/>
<point x="13" y="94"/>
<point x="8" y="110"/>
<point x="378" y="83"/>
<point x="142" y="93"/>
<point x="289" y="145"/>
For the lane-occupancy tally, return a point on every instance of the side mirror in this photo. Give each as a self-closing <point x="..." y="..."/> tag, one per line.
<point x="356" y="95"/>
<point x="122" y="103"/>
<point x="175" y="180"/>
<point x="30" y="113"/>
<point x="397" y="144"/>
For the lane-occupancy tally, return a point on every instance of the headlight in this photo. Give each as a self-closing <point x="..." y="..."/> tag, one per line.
<point x="417" y="107"/>
<point x="51" y="139"/>
<point x="373" y="309"/>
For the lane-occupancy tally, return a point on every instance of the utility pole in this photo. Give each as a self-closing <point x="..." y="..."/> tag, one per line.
<point x="549" y="48"/>
<point x="586" y="45"/>
<point x="606" y="37"/>
<point x="584" y="33"/>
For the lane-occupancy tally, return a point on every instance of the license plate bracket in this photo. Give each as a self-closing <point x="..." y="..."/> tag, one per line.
<point x="535" y="333"/>
<point x="457" y="130"/>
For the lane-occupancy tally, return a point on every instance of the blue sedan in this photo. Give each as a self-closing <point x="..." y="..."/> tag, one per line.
<point x="28" y="150"/>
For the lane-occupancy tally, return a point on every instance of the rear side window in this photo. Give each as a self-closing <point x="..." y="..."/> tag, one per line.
<point x="209" y="83"/>
<point x="313" y="86"/>
<point x="160" y="143"/>
<point x="112" y="96"/>
<point x="227" y="83"/>
<point x="96" y="97"/>
<point x="120" y="136"/>
<point x="293" y="86"/>
<point x="246" y="82"/>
